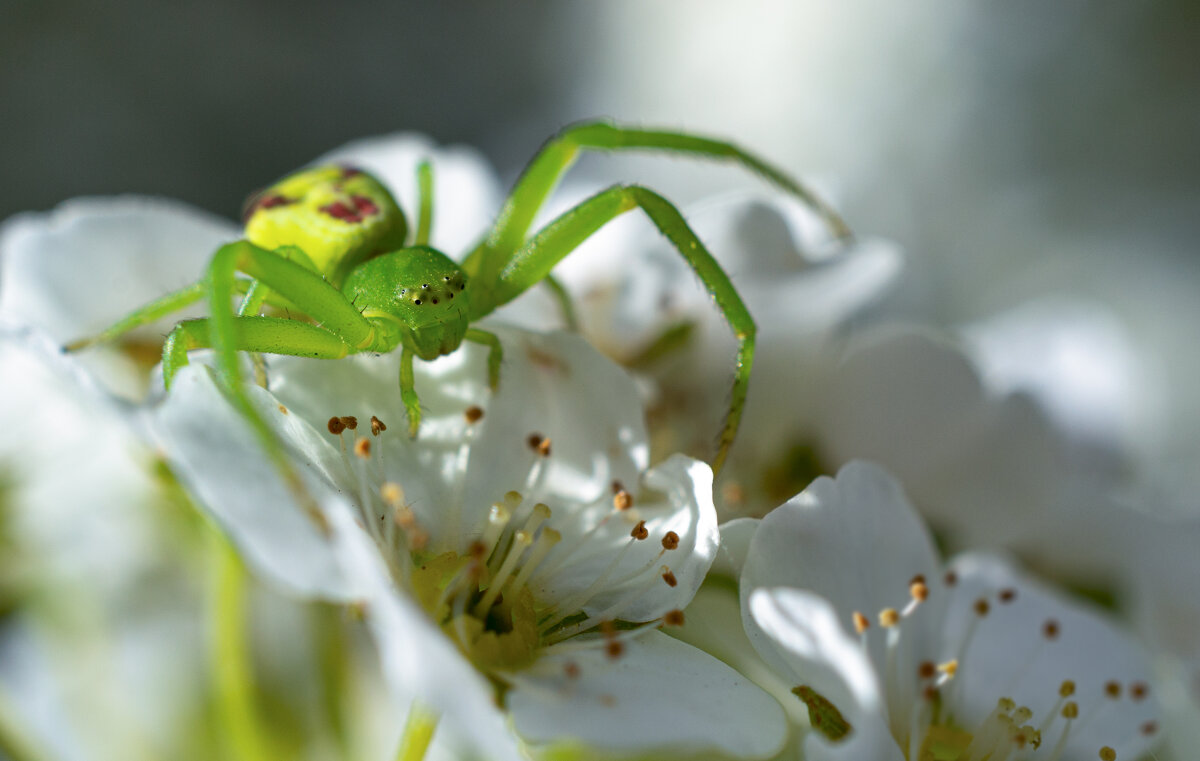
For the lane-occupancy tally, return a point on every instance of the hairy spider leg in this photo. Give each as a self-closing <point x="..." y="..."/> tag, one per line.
<point x="425" y="208"/>
<point x="144" y="315"/>
<point x="299" y="285"/>
<point x="408" y="389"/>
<point x="547" y="168"/>
<point x="256" y="294"/>
<point x="561" y="236"/>
<point x="268" y="335"/>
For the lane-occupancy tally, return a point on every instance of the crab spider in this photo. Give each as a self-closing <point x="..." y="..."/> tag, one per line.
<point x="330" y="243"/>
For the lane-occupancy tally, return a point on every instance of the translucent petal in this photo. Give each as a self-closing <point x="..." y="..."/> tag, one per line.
<point x="659" y="694"/>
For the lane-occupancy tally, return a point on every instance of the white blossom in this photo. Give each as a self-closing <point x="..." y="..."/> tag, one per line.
<point x="895" y="654"/>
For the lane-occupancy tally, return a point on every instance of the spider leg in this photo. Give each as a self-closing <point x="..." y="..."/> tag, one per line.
<point x="295" y="282"/>
<point x="408" y="392"/>
<point x="559" y="153"/>
<point x="160" y="307"/>
<point x="256" y="295"/>
<point x="560" y="237"/>
<point x="495" y="352"/>
<point x="565" y="304"/>
<point x="425" y="207"/>
<point x="270" y="335"/>
<point x="300" y="286"/>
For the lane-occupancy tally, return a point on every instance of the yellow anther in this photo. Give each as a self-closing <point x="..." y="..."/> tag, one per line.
<point x="393" y="495"/>
<point x="362" y="448"/>
<point x="861" y="624"/>
<point x="622" y="500"/>
<point x="889" y="617"/>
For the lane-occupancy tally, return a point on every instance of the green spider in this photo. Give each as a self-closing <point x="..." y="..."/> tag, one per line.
<point x="330" y="243"/>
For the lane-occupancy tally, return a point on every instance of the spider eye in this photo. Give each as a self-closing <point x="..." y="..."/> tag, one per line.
<point x="417" y="302"/>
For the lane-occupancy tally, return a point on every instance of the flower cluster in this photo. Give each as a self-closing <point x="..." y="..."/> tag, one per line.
<point x="541" y="572"/>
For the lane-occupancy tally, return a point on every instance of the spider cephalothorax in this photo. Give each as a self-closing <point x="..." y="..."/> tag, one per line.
<point x="419" y="289"/>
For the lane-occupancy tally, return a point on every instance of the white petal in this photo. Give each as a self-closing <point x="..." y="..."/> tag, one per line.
<point x="659" y="694"/>
<point x="636" y="590"/>
<point x="1010" y="656"/>
<point x="904" y="399"/>
<point x="1075" y="358"/>
<point x="736" y="536"/>
<point x="420" y="662"/>
<point x="212" y="450"/>
<point x="554" y="385"/>
<point x="91" y="527"/>
<point x="558" y="386"/>
<point x="1163" y="569"/>
<point x="916" y="405"/>
<point x="802" y="632"/>
<point x="465" y="190"/>
<point x="75" y="270"/>
<point x="854" y="540"/>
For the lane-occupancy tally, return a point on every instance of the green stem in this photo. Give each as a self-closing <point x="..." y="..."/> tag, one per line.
<point x="418" y="733"/>
<point x="333" y="654"/>
<point x="232" y="677"/>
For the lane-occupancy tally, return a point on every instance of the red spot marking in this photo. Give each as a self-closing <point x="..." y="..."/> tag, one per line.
<point x="366" y="207"/>
<point x="339" y="210"/>
<point x="349" y="171"/>
<point x="264" y="202"/>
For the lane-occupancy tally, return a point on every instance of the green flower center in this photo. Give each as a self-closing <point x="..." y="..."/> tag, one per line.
<point x="453" y="588"/>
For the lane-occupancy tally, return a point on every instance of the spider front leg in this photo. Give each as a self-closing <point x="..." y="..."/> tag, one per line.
<point x="266" y="335"/>
<point x="538" y="256"/>
<point x="495" y="353"/>
<point x="160" y="307"/>
<point x="257" y="294"/>
<point x="229" y="334"/>
<point x="554" y="159"/>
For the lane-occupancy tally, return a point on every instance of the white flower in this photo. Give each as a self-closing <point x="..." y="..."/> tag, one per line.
<point x="802" y="289"/>
<point x="86" y="511"/>
<point x="897" y="657"/>
<point x="518" y="550"/>
<point x="89" y="534"/>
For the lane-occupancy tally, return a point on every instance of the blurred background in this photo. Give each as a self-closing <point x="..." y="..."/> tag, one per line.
<point x="1014" y="149"/>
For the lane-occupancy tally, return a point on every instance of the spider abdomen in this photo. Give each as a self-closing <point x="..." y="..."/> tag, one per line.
<point x="339" y="216"/>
